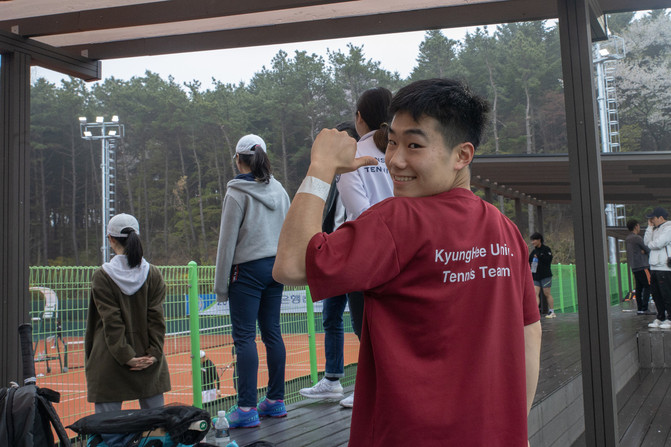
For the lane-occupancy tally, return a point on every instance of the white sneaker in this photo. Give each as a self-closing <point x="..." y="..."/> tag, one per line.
<point x="666" y="324"/>
<point x="325" y="389"/>
<point x="348" y="402"/>
<point x="655" y="323"/>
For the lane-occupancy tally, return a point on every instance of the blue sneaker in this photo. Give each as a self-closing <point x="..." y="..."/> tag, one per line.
<point x="242" y="419"/>
<point x="274" y="410"/>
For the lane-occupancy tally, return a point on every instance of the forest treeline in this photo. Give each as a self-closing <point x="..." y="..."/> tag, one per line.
<point x="176" y="158"/>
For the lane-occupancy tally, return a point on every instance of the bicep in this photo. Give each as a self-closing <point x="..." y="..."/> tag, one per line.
<point x="351" y="259"/>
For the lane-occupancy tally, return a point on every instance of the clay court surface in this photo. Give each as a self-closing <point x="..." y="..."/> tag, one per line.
<point x="72" y="384"/>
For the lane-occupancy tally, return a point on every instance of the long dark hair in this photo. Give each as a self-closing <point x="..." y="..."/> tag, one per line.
<point x="132" y="246"/>
<point x="373" y="106"/>
<point x="349" y="127"/>
<point x="259" y="163"/>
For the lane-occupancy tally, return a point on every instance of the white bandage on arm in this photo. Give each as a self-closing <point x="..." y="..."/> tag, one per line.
<point x="315" y="186"/>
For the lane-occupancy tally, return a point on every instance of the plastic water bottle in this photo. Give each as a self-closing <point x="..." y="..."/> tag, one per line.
<point x="221" y="434"/>
<point x="534" y="264"/>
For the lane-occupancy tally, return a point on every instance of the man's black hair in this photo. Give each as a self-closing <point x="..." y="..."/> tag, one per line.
<point x="461" y="113"/>
<point x="537" y="237"/>
<point x="631" y="224"/>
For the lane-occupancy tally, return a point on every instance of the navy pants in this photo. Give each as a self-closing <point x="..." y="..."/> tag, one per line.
<point x="642" y="290"/>
<point x="334" y="336"/>
<point x="660" y="286"/>
<point x="255" y="296"/>
<point x="334" y="333"/>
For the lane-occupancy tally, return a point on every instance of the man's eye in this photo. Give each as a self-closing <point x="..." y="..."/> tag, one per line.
<point x="391" y="142"/>
<point x="414" y="146"/>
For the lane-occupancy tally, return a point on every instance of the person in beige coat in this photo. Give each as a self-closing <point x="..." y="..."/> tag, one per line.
<point x="124" y="357"/>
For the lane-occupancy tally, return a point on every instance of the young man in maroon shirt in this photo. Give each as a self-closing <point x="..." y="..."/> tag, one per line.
<point x="423" y="258"/>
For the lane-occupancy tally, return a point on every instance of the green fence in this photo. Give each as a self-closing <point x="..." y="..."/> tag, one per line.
<point x="195" y="321"/>
<point x="564" y="285"/>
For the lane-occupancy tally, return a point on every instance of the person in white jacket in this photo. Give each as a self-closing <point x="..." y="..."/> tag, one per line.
<point x="368" y="185"/>
<point x="361" y="189"/>
<point x="658" y="239"/>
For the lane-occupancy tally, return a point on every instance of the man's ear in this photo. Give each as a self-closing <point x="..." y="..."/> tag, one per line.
<point x="465" y="152"/>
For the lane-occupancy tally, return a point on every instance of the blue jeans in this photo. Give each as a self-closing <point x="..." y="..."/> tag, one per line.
<point x="334" y="336"/>
<point x="334" y="333"/>
<point x="254" y="295"/>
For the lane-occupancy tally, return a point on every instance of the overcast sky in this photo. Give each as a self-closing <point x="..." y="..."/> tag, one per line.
<point x="396" y="52"/>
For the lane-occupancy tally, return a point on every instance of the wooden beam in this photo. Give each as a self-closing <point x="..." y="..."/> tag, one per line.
<point x="597" y="21"/>
<point x="488" y="186"/>
<point x="14" y="208"/>
<point x="52" y="58"/>
<point x="596" y="346"/>
<point x="613" y="6"/>
<point x="143" y="14"/>
<point x="370" y="24"/>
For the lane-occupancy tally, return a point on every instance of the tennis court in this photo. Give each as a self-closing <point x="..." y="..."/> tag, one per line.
<point x="59" y="312"/>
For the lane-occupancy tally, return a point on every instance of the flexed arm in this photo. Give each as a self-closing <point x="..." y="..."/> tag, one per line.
<point x="332" y="153"/>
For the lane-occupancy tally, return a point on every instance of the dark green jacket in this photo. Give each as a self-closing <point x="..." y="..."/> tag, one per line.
<point x="119" y="328"/>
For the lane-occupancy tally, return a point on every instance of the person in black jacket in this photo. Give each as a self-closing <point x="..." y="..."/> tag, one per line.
<point x="540" y="261"/>
<point x="637" y="258"/>
<point x="210" y="383"/>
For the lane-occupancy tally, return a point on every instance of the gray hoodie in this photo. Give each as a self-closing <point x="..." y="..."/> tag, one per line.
<point x="251" y="219"/>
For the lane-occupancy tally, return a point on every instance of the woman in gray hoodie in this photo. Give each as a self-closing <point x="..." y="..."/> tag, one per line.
<point x="252" y="215"/>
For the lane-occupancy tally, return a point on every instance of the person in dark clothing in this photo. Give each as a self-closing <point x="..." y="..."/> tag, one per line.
<point x="124" y="358"/>
<point x="637" y="258"/>
<point x="540" y="261"/>
<point x="329" y="386"/>
<point x="210" y="384"/>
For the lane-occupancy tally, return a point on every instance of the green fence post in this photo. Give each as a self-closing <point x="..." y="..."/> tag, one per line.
<point x="624" y="268"/>
<point x="194" y="330"/>
<point x="560" y="269"/>
<point x="573" y="288"/>
<point x="312" y="342"/>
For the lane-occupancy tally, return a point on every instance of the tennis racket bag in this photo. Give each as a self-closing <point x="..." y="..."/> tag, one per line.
<point x="169" y="426"/>
<point x="27" y="415"/>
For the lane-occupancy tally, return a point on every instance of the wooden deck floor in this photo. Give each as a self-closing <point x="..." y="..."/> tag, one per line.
<point x="315" y="423"/>
<point x="644" y="404"/>
<point x="326" y="424"/>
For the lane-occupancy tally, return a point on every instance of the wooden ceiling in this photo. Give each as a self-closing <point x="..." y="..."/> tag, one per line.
<point x="72" y="36"/>
<point x="627" y="177"/>
<point x="108" y="29"/>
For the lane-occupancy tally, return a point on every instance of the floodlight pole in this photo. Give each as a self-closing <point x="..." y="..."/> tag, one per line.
<point x="605" y="52"/>
<point x="108" y="132"/>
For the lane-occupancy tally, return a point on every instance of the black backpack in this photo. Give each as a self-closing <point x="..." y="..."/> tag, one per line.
<point x="183" y="424"/>
<point x="27" y="414"/>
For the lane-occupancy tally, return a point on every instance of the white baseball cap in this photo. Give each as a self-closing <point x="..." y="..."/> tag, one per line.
<point x="249" y="144"/>
<point x="121" y="222"/>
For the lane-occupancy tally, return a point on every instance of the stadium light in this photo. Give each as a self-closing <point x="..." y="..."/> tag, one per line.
<point x="108" y="132"/>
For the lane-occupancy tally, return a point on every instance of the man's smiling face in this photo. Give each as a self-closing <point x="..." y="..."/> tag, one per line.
<point x="419" y="162"/>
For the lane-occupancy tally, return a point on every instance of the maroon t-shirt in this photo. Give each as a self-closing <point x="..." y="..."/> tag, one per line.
<point x="448" y="292"/>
